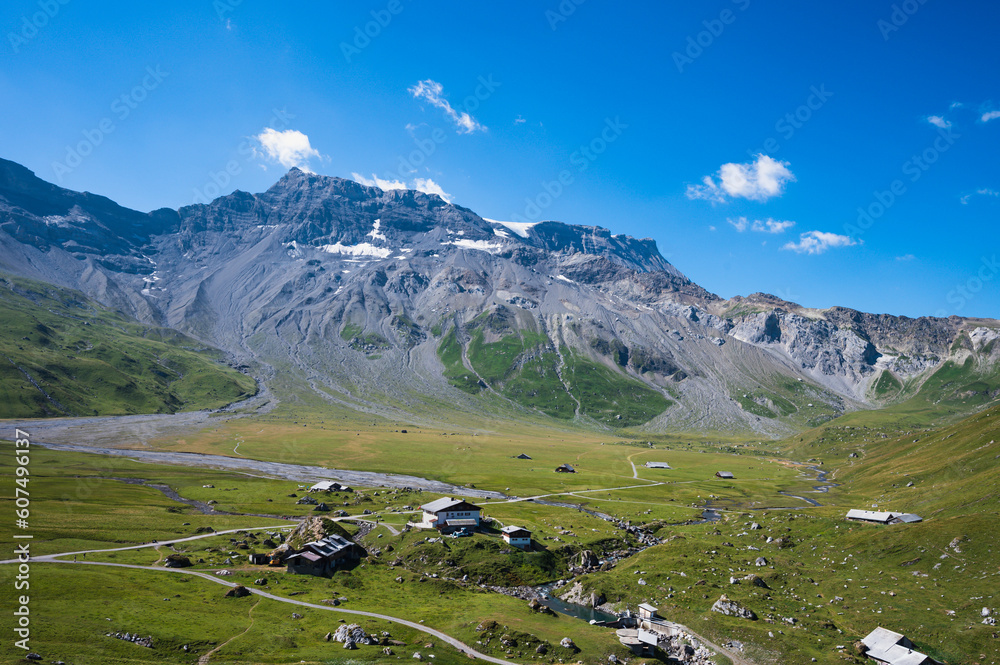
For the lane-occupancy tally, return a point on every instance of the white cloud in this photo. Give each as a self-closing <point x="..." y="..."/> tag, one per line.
<point x="768" y="225"/>
<point x="425" y="185"/>
<point x="990" y="115"/>
<point x="758" y="181"/>
<point x="428" y="186"/>
<point x="817" y="242"/>
<point x="905" y="257"/>
<point x="375" y="181"/>
<point x="981" y="192"/>
<point x="431" y="91"/>
<point x="938" y="121"/>
<point x="519" y="120"/>
<point x="289" y="148"/>
<point x="772" y="226"/>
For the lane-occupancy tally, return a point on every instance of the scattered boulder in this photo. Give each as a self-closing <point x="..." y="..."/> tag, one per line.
<point x="238" y="591"/>
<point x="731" y="608"/>
<point x="354" y="634"/>
<point x="177" y="561"/>
<point x="567" y="643"/>
<point x="760" y="562"/>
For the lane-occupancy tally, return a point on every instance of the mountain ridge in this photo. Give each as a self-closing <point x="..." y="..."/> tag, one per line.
<point x="382" y="300"/>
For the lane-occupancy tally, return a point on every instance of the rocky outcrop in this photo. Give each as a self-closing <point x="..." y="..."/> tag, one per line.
<point x="732" y="609"/>
<point x="352" y="634"/>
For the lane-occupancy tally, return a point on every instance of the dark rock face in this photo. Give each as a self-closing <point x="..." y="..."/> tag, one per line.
<point x="355" y="288"/>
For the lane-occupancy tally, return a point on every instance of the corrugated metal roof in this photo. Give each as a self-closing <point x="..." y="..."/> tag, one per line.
<point x="882" y="639"/>
<point x="308" y="556"/>
<point x="446" y="503"/>
<point x="329" y="546"/>
<point x="870" y="515"/>
<point x="892" y="647"/>
<point x="513" y="529"/>
<point x="657" y="465"/>
<point x="462" y="522"/>
<point x="909" y="518"/>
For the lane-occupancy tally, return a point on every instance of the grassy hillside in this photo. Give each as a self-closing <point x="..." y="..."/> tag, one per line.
<point x="62" y="354"/>
<point x="525" y="367"/>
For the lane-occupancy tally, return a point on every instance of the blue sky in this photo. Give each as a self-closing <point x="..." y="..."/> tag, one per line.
<point x="743" y="136"/>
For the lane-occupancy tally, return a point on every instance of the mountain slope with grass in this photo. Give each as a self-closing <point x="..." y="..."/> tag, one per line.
<point x="398" y="304"/>
<point x="63" y="354"/>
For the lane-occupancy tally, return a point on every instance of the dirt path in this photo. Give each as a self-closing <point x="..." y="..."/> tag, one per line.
<point x="462" y="647"/>
<point x="204" y="659"/>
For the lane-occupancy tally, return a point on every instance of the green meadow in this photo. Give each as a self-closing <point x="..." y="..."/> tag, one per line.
<point x="828" y="581"/>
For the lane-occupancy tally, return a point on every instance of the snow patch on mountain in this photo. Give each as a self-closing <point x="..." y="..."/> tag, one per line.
<point x="480" y="245"/>
<point x="361" y="249"/>
<point x="376" y="233"/>
<point x="520" y="228"/>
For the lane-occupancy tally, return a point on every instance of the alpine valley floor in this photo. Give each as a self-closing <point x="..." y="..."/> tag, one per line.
<point x="826" y="582"/>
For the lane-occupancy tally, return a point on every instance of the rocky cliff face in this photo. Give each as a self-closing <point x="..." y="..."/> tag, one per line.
<point x="386" y="301"/>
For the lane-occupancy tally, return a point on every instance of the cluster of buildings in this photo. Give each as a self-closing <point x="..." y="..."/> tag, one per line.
<point x="323" y="557"/>
<point x="449" y="515"/>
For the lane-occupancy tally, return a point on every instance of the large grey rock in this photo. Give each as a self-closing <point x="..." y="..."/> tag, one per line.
<point x="732" y="609"/>
<point x="353" y="633"/>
